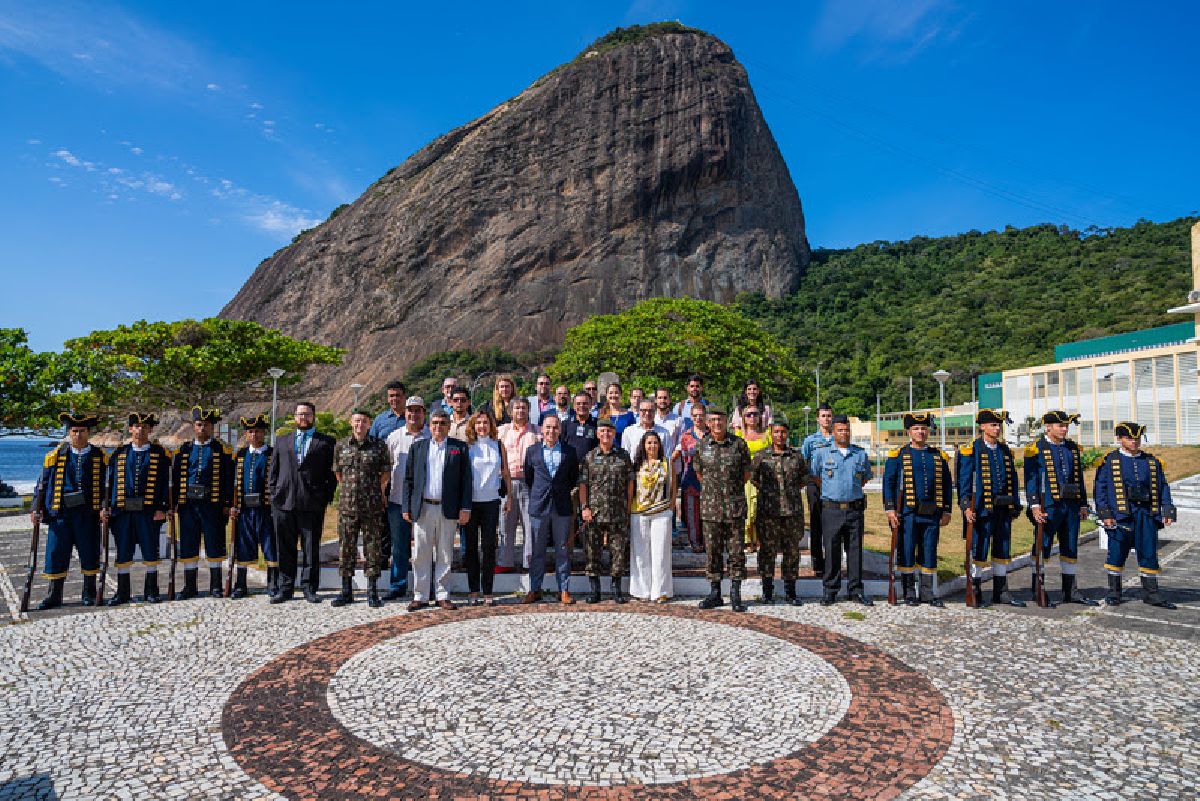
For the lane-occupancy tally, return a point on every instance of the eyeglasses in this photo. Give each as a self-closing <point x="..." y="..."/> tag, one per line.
<point x="439" y="422"/>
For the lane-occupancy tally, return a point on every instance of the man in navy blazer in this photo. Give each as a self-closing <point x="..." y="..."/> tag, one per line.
<point x="436" y="500"/>
<point x="551" y="472"/>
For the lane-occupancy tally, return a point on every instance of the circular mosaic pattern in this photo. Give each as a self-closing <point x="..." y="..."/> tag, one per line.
<point x="280" y="728"/>
<point x="588" y="699"/>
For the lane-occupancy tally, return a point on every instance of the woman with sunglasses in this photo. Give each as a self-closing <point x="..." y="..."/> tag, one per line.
<point x="756" y="440"/>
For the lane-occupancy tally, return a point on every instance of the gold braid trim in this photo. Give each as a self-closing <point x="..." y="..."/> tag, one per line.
<point x="121" y="478"/>
<point x="97" y="465"/>
<point x="1118" y="483"/>
<point x="60" y="465"/>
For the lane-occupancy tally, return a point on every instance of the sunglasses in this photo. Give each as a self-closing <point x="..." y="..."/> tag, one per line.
<point x="439" y="423"/>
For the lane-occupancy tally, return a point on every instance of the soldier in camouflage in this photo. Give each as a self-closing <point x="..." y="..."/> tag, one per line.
<point x="363" y="466"/>
<point x="605" y="492"/>
<point x="722" y="464"/>
<point x="781" y="474"/>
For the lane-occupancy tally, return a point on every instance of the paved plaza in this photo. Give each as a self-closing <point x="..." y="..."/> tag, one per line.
<point x="244" y="700"/>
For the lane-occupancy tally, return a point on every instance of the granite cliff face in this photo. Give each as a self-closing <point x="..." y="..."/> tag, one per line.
<point x="635" y="171"/>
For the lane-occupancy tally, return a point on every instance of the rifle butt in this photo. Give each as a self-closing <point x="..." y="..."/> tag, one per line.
<point x="33" y="553"/>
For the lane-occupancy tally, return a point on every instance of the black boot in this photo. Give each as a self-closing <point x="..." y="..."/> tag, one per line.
<point x="768" y="590"/>
<point x="373" y="599"/>
<point x="1071" y="593"/>
<point x="1150" y="585"/>
<point x="1113" y="596"/>
<point x="150" y="587"/>
<point x="239" y="585"/>
<point x="88" y="598"/>
<point x="594" y="598"/>
<point x="617" y="594"/>
<point x="1000" y="593"/>
<point x="714" y="599"/>
<point x="53" y="598"/>
<point x="735" y="597"/>
<point x="189" y="590"/>
<point x="121" y="596"/>
<point x="272" y="582"/>
<point x="910" y="590"/>
<point x="214" y="583"/>
<point x="789" y="593"/>
<point x="980" y="599"/>
<point x="346" y="596"/>
<point x="927" y="596"/>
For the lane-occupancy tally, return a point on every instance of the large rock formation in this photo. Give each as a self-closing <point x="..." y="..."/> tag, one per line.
<point x="643" y="168"/>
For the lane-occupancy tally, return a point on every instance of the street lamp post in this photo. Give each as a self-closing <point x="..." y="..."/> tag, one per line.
<point x="942" y="377"/>
<point x="357" y="388"/>
<point x="275" y="374"/>
<point x="817" y="370"/>
<point x="807" y="409"/>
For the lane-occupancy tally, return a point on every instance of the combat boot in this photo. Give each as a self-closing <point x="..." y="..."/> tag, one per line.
<point x="88" y="598"/>
<point x="789" y="593"/>
<point x="53" y="598"/>
<point x="1150" y="585"/>
<point x="910" y="590"/>
<point x="373" y="599"/>
<point x="1071" y="593"/>
<point x="239" y="585"/>
<point x="1000" y="593"/>
<point x="189" y="590"/>
<point x="768" y="591"/>
<point x="980" y="599"/>
<point x="272" y="582"/>
<point x="1113" y="596"/>
<point x="150" y="587"/>
<point x="714" y="599"/>
<point x="927" y="596"/>
<point x="594" y="598"/>
<point x="214" y="583"/>
<point x="121" y="596"/>
<point x="735" y="597"/>
<point x="617" y="594"/>
<point x="346" y="596"/>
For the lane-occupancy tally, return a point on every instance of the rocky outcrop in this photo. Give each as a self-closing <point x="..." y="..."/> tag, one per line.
<point x="642" y="169"/>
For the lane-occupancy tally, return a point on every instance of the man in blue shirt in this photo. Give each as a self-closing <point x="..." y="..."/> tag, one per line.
<point x="821" y="438"/>
<point x="840" y="471"/>
<point x="392" y="417"/>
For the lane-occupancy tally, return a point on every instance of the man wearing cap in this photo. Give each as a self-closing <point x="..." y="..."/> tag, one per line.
<point x="253" y="529"/>
<point x="1133" y="501"/>
<point x="988" y="495"/>
<point x="917" y="492"/>
<point x="362" y="467"/>
<point x="780" y="474"/>
<point x="840" y="471"/>
<point x="138" y="497"/>
<point x="821" y="438"/>
<point x="605" y="493"/>
<point x="70" y="493"/>
<point x="399" y="442"/>
<point x="1057" y="498"/>
<point x="722" y="465"/>
<point x="202" y="492"/>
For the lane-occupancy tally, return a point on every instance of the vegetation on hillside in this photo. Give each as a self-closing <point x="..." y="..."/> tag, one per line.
<point x="620" y="37"/>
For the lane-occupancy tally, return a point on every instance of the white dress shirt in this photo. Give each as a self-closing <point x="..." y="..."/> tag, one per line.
<point x="399" y="442"/>
<point x="435" y="466"/>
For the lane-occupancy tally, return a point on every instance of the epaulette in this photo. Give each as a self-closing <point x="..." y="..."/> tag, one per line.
<point x="942" y="454"/>
<point x="50" y="457"/>
<point x="967" y="450"/>
<point x="1031" y="450"/>
<point x="892" y="454"/>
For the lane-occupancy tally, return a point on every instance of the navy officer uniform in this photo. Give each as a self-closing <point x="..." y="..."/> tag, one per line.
<point x="202" y="492"/>
<point x="1055" y="491"/>
<point x="917" y="486"/>
<point x="254" y="531"/>
<point x="69" y="494"/>
<point x="139" y="495"/>
<point x="1133" y="501"/>
<point x="987" y="485"/>
<point x="841" y="473"/>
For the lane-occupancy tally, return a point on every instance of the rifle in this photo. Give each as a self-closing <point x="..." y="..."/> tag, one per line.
<point x="33" y="554"/>
<point x="103" y="563"/>
<point x="1039" y="578"/>
<point x="892" y="565"/>
<point x="173" y="549"/>
<point x="972" y="601"/>
<point x="232" y="557"/>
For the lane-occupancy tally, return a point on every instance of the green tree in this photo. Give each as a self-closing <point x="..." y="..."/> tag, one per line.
<point x="28" y="383"/>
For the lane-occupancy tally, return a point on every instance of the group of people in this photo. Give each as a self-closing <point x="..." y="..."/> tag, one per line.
<point x="570" y="468"/>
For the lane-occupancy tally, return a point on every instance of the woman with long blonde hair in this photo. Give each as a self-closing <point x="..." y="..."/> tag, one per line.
<point x="503" y="393"/>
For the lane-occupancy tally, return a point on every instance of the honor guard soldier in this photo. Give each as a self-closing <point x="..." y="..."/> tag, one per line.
<point x="69" y="494"/>
<point x="1057" y="498"/>
<point x="253" y="530"/>
<point x="139" y="495"/>
<point x="1133" y="501"/>
<point x="605" y="494"/>
<point x="363" y="467"/>
<point x="841" y="470"/>
<point x="917" y="493"/>
<point x="202" y="492"/>
<point x="988" y="495"/>
<point x="722" y="464"/>
<point x="781" y="476"/>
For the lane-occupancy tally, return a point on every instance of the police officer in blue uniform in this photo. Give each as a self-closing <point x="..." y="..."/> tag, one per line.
<point x="821" y="438"/>
<point x="988" y="494"/>
<point x="1133" y="501"/>
<point x="202" y="492"/>
<point x="139" y="484"/>
<point x="1057" y="497"/>
<point x="69" y="495"/>
<point x="917" y="492"/>
<point x="840" y="470"/>
<point x="254" y="531"/>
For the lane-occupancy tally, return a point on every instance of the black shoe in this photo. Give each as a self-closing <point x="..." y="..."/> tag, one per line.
<point x="862" y="598"/>
<point x="927" y="596"/>
<point x="311" y="596"/>
<point x="1113" y="596"/>
<point x="1072" y="595"/>
<point x="214" y="583"/>
<point x="594" y="596"/>
<point x="53" y="598"/>
<point x="617" y="594"/>
<point x="735" y="597"/>
<point x="373" y="599"/>
<point x="190" y="589"/>
<point x="714" y="599"/>
<point x="828" y="599"/>
<point x="981" y="600"/>
<point x="272" y="581"/>
<point x="1150" y="585"/>
<point x="150" y="587"/>
<point x="280" y="597"/>
<point x="768" y="590"/>
<point x="121" y="596"/>
<point x="395" y="595"/>
<point x="910" y="591"/>
<point x="789" y="593"/>
<point x="1000" y="593"/>
<point x="239" y="585"/>
<point x="346" y="596"/>
<point x="88" y="598"/>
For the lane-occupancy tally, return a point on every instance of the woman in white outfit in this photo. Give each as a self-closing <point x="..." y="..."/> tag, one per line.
<point x="650" y="522"/>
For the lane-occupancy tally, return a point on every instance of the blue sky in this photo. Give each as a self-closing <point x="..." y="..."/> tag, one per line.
<point x="153" y="153"/>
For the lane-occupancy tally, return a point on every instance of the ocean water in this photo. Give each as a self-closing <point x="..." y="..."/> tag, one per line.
<point x="21" y="461"/>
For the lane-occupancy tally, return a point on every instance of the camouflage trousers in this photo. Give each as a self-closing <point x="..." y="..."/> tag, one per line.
<point x="617" y="535"/>
<point x="723" y="537"/>
<point x="371" y="526"/>
<point x="779" y="535"/>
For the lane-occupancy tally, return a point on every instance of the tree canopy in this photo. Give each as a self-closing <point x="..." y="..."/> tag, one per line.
<point x="28" y="382"/>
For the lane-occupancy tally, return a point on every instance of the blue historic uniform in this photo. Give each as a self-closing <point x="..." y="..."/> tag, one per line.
<point x="917" y="485"/>
<point x="70" y="493"/>
<point x="1132" y="490"/>
<point x="202" y="491"/>
<point x="139" y="483"/>
<point x="255" y="531"/>
<point x="987" y="483"/>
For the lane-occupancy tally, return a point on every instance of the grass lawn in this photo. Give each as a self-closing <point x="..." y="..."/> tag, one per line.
<point x="1180" y="461"/>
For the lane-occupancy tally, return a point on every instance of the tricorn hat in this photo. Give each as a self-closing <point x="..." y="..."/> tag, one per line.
<point x="1059" y="417"/>
<point x="72" y="420"/>
<point x="199" y="414"/>
<point x="1129" y="429"/>
<point x="917" y="419"/>
<point x="992" y="416"/>
<point x="258" y="421"/>
<point x="140" y="419"/>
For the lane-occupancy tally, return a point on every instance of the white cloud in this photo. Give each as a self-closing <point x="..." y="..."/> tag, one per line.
<point x="212" y="87"/>
<point x="68" y="157"/>
<point x="256" y="106"/>
<point x="33" y="141"/>
<point x="280" y="218"/>
<point x="891" y="29"/>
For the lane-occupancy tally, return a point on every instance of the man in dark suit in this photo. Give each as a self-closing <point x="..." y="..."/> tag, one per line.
<point x="301" y="483"/>
<point x="436" y="500"/>
<point x="551" y="472"/>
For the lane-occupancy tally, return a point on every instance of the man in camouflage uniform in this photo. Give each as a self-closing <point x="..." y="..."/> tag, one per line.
<point x="781" y="474"/>
<point x="605" y="492"/>
<point x="722" y="463"/>
<point x="363" y="466"/>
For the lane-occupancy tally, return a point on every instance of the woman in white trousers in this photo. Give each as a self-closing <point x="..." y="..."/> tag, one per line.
<point x="650" y="522"/>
